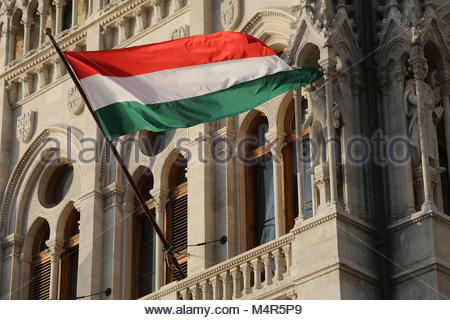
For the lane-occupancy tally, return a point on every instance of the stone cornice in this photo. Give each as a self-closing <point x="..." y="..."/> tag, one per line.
<point x="416" y="218"/>
<point x="318" y="220"/>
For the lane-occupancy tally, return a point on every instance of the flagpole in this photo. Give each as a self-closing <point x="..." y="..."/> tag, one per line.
<point x="168" y="249"/>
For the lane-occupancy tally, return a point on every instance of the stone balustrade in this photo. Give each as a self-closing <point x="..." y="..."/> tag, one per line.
<point x="245" y="276"/>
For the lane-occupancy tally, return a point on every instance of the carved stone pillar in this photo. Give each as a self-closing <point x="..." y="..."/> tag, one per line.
<point x="74" y="13"/>
<point x="160" y="7"/>
<point x="42" y="73"/>
<point x="59" y="15"/>
<point x="42" y="18"/>
<point x="56" y="250"/>
<point x="299" y="153"/>
<point x="12" y="247"/>
<point x="161" y="197"/>
<point x="276" y="141"/>
<point x="328" y="66"/>
<point x="24" y="83"/>
<point x="122" y="26"/>
<point x="418" y="63"/>
<point x="26" y="35"/>
<point x="178" y="4"/>
<point x="140" y="21"/>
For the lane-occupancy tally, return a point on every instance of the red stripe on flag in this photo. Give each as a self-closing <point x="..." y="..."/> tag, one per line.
<point x="173" y="54"/>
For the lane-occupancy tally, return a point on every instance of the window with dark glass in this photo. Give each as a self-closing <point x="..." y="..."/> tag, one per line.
<point x="40" y="264"/>
<point x="443" y="161"/>
<point x="69" y="258"/>
<point x="176" y="220"/>
<point x="259" y="188"/>
<point x="144" y="248"/>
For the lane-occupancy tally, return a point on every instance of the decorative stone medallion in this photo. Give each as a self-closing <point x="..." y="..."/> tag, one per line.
<point x="180" y="32"/>
<point x="230" y="14"/>
<point x="75" y="103"/>
<point x="25" y="126"/>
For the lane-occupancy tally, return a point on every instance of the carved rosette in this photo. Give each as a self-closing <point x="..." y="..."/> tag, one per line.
<point x="75" y="104"/>
<point x="25" y="126"/>
<point x="230" y="14"/>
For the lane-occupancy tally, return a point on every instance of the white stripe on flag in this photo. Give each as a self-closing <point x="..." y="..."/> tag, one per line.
<point x="181" y="83"/>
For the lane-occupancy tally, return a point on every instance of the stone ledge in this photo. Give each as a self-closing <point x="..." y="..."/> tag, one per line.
<point x="416" y="218"/>
<point x="320" y="219"/>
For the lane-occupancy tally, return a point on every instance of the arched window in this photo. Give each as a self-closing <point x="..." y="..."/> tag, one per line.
<point x="176" y="217"/>
<point x="34" y="25"/>
<point x="69" y="259"/>
<point x="290" y="169"/>
<point x="260" y="217"/>
<point x="144" y="248"/>
<point x="17" y="36"/>
<point x="40" y="264"/>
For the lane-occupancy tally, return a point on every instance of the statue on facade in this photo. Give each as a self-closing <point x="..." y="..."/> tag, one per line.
<point x="432" y="114"/>
<point x="316" y="119"/>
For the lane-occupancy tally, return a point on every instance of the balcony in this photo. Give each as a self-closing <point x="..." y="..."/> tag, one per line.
<point x="260" y="273"/>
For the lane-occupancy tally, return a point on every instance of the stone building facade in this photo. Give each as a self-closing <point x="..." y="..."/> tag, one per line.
<point x="367" y="218"/>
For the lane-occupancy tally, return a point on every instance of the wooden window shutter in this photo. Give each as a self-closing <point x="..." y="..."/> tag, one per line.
<point x="40" y="273"/>
<point x="177" y="224"/>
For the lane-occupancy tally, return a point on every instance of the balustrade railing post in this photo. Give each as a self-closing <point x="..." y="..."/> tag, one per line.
<point x="267" y="259"/>
<point x="236" y="283"/>
<point x="278" y="265"/>
<point x="257" y="272"/>
<point x="247" y="271"/>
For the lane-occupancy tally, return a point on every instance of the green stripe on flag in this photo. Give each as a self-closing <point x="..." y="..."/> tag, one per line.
<point x="125" y="117"/>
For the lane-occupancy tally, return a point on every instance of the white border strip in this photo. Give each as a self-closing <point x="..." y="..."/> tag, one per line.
<point x="181" y="83"/>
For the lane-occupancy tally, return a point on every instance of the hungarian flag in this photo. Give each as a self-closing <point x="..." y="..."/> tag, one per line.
<point x="184" y="82"/>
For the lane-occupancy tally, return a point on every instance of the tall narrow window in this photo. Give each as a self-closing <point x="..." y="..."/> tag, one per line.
<point x="259" y="190"/>
<point x="17" y="35"/>
<point x="40" y="265"/>
<point x="69" y="259"/>
<point x="144" y="248"/>
<point x="290" y="169"/>
<point x="177" y="208"/>
<point x="34" y="27"/>
<point x="443" y="161"/>
<point x="67" y="15"/>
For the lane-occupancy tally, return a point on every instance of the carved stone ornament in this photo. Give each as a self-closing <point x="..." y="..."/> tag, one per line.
<point x="180" y="32"/>
<point x="230" y="14"/>
<point x="25" y="126"/>
<point x="74" y="102"/>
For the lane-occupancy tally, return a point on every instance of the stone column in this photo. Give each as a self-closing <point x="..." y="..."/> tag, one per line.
<point x="42" y="72"/>
<point x="12" y="45"/>
<point x="26" y="35"/>
<point x="419" y="65"/>
<point x="42" y="18"/>
<point x="24" y="82"/>
<point x="74" y="13"/>
<point x="159" y="8"/>
<point x="56" y="250"/>
<point x="113" y="250"/>
<point x="12" y="246"/>
<point x="90" y="206"/>
<point x="122" y="25"/>
<point x="328" y="66"/>
<point x="299" y="153"/>
<point x="161" y="197"/>
<point x="139" y="15"/>
<point x="5" y="41"/>
<point x="200" y="199"/>
<point x="59" y="15"/>
<point x="276" y="141"/>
